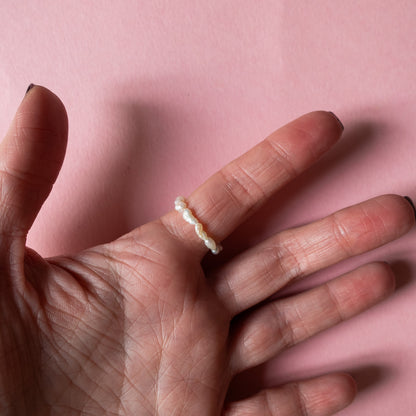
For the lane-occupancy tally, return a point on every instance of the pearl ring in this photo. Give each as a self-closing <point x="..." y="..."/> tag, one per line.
<point x="182" y="207"/>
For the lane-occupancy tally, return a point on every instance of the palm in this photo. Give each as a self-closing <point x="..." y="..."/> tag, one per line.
<point x="136" y="326"/>
<point x="121" y="322"/>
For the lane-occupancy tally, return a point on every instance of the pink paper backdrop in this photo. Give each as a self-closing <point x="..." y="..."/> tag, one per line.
<point x="162" y="93"/>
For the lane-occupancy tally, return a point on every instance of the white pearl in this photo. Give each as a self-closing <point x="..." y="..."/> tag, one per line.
<point x="182" y="206"/>
<point x="200" y="231"/>
<point x="188" y="217"/>
<point x="180" y="203"/>
<point x="217" y="249"/>
<point x="210" y="243"/>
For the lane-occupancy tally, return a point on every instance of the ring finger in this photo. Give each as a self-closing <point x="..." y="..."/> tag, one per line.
<point x="283" y="323"/>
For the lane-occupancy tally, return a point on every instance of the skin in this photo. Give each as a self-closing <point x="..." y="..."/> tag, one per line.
<point x="137" y="326"/>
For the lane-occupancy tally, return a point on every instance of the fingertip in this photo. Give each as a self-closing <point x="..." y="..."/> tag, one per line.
<point x="385" y="278"/>
<point x="322" y="127"/>
<point x="412" y="206"/>
<point x="387" y="217"/>
<point x="46" y="108"/>
<point x="340" y="125"/>
<point x="31" y="85"/>
<point x="327" y="120"/>
<point x="363" y="287"/>
<point x="307" y="138"/>
<point x="346" y="388"/>
<point x="330" y="393"/>
<point x="41" y="124"/>
<point x="402" y="209"/>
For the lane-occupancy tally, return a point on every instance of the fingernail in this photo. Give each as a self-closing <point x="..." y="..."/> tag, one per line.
<point x="339" y="121"/>
<point x="29" y="88"/>
<point x="411" y="203"/>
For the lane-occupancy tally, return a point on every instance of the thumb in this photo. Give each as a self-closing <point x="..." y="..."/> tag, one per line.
<point x="31" y="156"/>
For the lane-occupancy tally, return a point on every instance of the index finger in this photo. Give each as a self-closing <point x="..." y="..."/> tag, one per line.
<point x="232" y="194"/>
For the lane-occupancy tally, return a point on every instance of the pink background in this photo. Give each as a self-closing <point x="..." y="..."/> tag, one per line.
<point x="161" y="93"/>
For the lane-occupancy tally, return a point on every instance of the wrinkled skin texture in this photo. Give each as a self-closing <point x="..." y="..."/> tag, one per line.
<point x="137" y="326"/>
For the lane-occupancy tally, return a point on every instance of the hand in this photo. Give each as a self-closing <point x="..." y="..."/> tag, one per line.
<point x="136" y="326"/>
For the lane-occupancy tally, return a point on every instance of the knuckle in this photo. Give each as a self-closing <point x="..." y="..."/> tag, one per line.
<point x="269" y="405"/>
<point x="295" y="328"/>
<point x="263" y="335"/>
<point x="299" y="399"/>
<point x="286" y="259"/>
<point x="341" y="235"/>
<point x="241" y="186"/>
<point x="284" y="328"/>
<point x="334" y="303"/>
<point x="282" y="157"/>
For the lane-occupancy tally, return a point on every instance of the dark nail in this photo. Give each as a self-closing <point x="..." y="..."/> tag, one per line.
<point x="29" y="88"/>
<point x="339" y="121"/>
<point x="411" y="203"/>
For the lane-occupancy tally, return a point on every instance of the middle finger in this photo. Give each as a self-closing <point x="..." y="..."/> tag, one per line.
<point x="261" y="271"/>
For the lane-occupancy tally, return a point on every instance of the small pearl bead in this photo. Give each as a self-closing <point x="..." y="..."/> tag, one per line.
<point x="200" y="231"/>
<point x="210" y="243"/>
<point x="188" y="216"/>
<point x="217" y="249"/>
<point x="182" y="207"/>
<point x="179" y="206"/>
